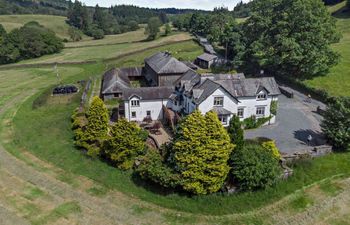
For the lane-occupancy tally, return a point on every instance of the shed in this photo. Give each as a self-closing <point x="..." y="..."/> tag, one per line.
<point x="206" y="61"/>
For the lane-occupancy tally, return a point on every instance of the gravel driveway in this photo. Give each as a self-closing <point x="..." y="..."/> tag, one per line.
<point x="296" y="120"/>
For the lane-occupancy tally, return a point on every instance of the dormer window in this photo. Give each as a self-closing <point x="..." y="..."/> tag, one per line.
<point x="135" y="103"/>
<point x="262" y="96"/>
<point x="218" y="101"/>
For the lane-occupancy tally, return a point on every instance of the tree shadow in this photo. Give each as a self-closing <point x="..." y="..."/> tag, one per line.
<point x="317" y="137"/>
<point x="156" y="188"/>
<point x="342" y="13"/>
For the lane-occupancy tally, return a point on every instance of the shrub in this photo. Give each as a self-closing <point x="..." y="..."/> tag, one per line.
<point x="271" y="147"/>
<point x="97" y="128"/>
<point x="126" y="142"/>
<point x="253" y="123"/>
<point x="336" y="123"/>
<point x="253" y="168"/>
<point x="236" y="132"/>
<point x="133" y="25"/>
<point x="74" y="34"/>
<point x="97" y="34"/>
<point x="200" y="153"/>
<point x="273" y="108"/>
<point x="152" y="167"/>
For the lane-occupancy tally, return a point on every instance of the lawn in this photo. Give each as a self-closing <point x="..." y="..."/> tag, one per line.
<point x="337" y="81"/>
<point x="55" y="23"/>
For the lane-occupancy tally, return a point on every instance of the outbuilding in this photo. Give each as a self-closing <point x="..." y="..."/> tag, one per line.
<point x="206" y="61"/>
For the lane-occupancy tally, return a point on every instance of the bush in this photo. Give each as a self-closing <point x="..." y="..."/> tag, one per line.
<point x="271" y="147"/>
<point x="253" y="123"/>
<point x="336" y="123"/>
<point x="97" y="34"/>
<point x="273" y="108"/>
<point x="133" y="25"/>
<point x="200" y="153"/>
<point x="253" y="168"/>
<point x="152" y="167"/>
<point x="125" y="143"/>
<point x="236" y="132"/>
<point x="74" y="34"/>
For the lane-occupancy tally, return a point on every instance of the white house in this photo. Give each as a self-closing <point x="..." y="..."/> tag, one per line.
<point x="225" y="94"/>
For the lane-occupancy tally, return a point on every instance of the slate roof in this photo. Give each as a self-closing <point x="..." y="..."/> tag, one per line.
<point x="164" y="63"/>
<point x="235" y="87"/>
<point x="149" y="93"/>
<point x="221" y="111"/>
<point x="114" y="82"/>
<point x="207" y="57"/>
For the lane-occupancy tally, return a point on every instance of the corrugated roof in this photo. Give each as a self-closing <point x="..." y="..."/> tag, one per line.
<point x="164" y="63"/>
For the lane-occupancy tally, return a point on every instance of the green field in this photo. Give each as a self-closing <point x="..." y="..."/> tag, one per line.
<point x="104" y="51"/>
<point x="55" y="23"/>
<point x="337" y="81"/>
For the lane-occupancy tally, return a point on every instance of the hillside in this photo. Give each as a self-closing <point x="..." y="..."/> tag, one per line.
<point x="55" y="23"/>
<point x="47" y="7"/>
<point x="337" y="81"/>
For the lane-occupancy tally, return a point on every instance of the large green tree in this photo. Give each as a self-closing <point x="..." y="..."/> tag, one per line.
<point x="200" y="153"/>
<point x="2" y="32"/>
<point x="153" y="28"/>
<point x="97" y="128"/>
<point x="336" y="123"/>
<point x="126" y="142"/>
<point x="290" y="37"/>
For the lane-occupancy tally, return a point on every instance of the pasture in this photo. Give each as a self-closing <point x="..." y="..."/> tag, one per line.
<point x="337" y="81"/>
<point x="55" y="23"/>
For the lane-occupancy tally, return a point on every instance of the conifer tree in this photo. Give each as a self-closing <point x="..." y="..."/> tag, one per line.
<point x="200" y="153"/>
<point x="126" y="142"/>
<point x="236" y="132"/>
<point x="97" y="128"/>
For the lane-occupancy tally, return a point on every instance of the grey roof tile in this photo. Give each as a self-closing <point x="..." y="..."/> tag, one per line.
<point x="164" y="63"/>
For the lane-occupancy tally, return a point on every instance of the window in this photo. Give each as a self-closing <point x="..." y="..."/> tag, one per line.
<point x="148" y="113"/>
<point x="135" y="103"/>
<point x="219" y="101"/>
<point x="133" y="114"/>
<point x="260" y="111"/>
<point x="262" y="96"/>
<point x="223" y="119"/>
<point x="240" y="112"/>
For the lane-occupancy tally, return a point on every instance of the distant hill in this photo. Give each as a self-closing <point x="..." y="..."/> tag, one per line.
<point x="47" y="7"/>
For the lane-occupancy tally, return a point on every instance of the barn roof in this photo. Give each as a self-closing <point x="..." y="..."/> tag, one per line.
<point x="207" y="57"/>
<point x="114" y="82"/>
<point x="164" y="63"/>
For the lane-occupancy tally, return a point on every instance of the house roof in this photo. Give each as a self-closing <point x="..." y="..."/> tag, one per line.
<point x="221" y="111"/>
<point x="235" y="86"/>
<point x="164" y="63"/>
<point x="114" y="82"/>
<point x="207" y="57"/>
<point x="149" y="93"/>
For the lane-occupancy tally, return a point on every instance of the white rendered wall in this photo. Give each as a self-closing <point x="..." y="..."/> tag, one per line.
<point x="155" y="106"/>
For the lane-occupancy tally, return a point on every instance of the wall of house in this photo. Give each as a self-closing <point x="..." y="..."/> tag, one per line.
<point x="249" y="104"/>
<point x="155" y="106"/>
<point x="229" y="103"/>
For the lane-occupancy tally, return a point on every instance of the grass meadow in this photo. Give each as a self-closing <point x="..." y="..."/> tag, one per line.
<point x="55" y="23"/>
<point x="337" y="81"/>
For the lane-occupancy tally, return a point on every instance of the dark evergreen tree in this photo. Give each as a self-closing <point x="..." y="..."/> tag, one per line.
<point x="236" y="132"/>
